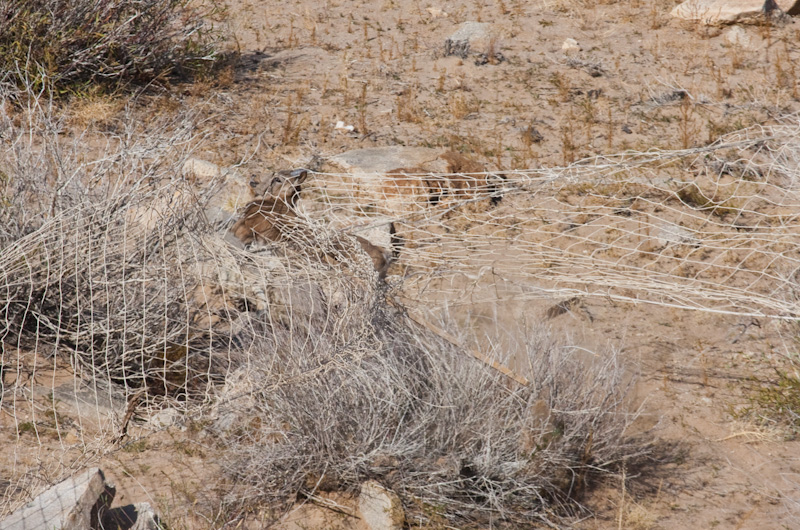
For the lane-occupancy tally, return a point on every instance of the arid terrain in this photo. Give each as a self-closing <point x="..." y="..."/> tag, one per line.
<point x="648" y="212"/>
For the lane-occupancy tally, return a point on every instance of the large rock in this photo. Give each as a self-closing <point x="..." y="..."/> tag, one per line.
<point x="474" y="38"/>
<point x="739" y="38"/>
<point x="715" y="12"/>
<point x="74" y="504"/>
<point x="383" y="159"/>
<point x="380" y="508"/>
<point x="468" y="38"/>
<point x="81" y="502"/>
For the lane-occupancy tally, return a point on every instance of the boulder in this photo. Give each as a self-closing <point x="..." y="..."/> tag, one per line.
<point x="357" y="178"/>
<point x="790" y="7"/>
<point x="81" y="502"/>
<point x="472" y="38"/>
<point x="194" y="168"/>
<point x="380" y="508"/>
<point x="717" y="12"/>
<point x="76" y="503"/>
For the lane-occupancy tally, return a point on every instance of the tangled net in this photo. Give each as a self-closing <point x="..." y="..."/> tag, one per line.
<point x="117" y="272"/>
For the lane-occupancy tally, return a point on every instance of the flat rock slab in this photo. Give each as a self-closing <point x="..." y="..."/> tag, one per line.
<point x="69" y="505"/>
<point x="380" y="508"/>
<point x="714" y="12"/>
<point x="383" y="159"/>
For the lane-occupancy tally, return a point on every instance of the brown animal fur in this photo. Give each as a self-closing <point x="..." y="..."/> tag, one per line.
<point x="381" y="259"/>
<point x="274" y="218"/>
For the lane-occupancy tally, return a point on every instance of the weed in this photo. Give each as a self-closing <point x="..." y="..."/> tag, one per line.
<point x="293" y="127"/>
<point x="778" y="400"/>
<point x="568" y="146"/>
<point x="562" y="86"/>
<point x="362" y="110"/>
<point x="26" y="427"/>
<point x="407" y="109"/>
<point x="462" y="106"/>
<point x="136" y="446"/>
<point x="686" y="126"/>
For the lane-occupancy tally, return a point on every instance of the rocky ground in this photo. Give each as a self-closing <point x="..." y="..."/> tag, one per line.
<point x="543" y="84"/>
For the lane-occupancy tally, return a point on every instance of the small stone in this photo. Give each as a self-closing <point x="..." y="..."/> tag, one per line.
<point x="570" y="46"/>
<point x="194" y="168"/>
<point x="380" y="508"/>
<point x="674" y="234"/>
<point x="340" y="126"/>
<point x="737" y="37"/>
<point x="435" y="12"/>
<point x="165" y="418"/>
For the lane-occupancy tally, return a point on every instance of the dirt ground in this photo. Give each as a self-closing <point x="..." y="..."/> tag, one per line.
<point x="640" y="80"/>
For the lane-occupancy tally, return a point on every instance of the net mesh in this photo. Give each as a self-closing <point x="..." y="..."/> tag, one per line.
<point x="114" y="271"/>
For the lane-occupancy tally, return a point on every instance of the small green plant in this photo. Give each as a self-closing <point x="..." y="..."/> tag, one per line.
<point x="26" y="426"/>
<point x="779" y="400"/>
<point x="137" y="446"/>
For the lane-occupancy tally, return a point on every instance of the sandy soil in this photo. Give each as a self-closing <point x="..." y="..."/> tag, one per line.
<point x="380" y="66"/>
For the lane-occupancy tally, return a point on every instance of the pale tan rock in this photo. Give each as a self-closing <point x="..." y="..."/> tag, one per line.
<point x="196" y="168"/>
<point x="383" y="159"/>
<point x="570" y="46"/>
<point x="139" y="516"/>
<point x="472" y="38"/>
<point x="360" y="175"/>
<point x="738" y="37"/>
<point x="716" y="12"/>
<point x="380" y="508"/>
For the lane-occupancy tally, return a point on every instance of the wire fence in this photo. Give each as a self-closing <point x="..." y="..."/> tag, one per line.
<point x="121" y="290"/>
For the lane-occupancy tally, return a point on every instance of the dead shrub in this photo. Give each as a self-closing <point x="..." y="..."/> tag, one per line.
<point x="457" y="440"/>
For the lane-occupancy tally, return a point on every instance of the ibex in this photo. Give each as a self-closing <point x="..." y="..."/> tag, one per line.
<point x="274" y="218"/>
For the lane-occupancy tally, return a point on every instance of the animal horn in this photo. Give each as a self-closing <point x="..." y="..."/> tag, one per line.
<point x="299" y="174"/>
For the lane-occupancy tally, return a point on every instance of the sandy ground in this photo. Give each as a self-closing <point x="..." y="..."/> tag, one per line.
<point x="379" y="66"/>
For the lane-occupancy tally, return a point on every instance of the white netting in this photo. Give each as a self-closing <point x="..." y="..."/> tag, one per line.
<point x="118" y="291"/>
